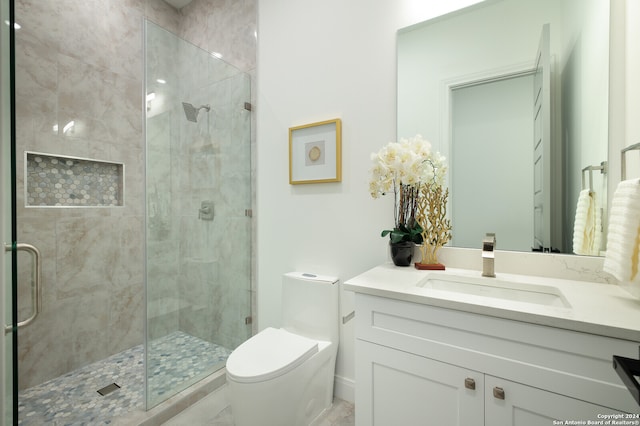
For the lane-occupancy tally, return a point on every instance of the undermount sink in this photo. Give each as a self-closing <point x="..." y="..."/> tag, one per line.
<point x="496" y="288"/>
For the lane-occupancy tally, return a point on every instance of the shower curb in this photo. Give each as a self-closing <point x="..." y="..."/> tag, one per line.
<point x="176" y="404"/>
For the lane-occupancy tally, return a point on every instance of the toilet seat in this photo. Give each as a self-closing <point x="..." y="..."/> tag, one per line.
<point x="269" y="354"/>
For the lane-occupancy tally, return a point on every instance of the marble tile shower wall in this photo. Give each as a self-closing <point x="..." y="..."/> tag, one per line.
<point x="216" y="258"/>
<point x="229" y="29"/>
<point x="207" y="294"/>
<point x="82" y="60"/>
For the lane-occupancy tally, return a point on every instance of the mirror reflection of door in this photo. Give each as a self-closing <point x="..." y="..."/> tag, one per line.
<point x="491" y="139"/>
<point x="491" y="162"/>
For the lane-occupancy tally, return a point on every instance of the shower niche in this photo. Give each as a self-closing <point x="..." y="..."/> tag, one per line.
<point x="63" y="181"/>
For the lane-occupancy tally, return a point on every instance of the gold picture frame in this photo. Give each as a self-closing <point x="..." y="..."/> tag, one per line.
<point x="315" y="152"/>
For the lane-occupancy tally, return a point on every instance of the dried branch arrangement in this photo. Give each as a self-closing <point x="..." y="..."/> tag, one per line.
<point x="436" y="228"/>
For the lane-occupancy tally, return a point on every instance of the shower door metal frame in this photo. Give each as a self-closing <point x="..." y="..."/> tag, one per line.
<point x="8" y="219"/>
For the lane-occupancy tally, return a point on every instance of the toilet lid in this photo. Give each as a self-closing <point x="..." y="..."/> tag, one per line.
<point x="269" y="354"/>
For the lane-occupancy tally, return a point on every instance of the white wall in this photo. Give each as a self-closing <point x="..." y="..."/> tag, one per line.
<point x="318" y="61"/>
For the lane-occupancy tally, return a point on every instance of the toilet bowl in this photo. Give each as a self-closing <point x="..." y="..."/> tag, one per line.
<point x="284" y="376"/>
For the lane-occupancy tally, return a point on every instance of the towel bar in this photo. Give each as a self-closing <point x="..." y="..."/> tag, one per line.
<point x="623" y="164"/>
<point x="603" y="170"/>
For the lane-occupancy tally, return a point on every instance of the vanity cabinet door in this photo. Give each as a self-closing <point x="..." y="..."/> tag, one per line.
<point x="398" y="388"/>
<point x="514" y="404"/>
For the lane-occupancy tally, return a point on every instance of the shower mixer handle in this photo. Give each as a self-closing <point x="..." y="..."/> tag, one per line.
<point x="206" y="210"/>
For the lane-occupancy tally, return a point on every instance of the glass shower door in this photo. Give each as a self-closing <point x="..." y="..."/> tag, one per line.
<point x="198" y="225"/>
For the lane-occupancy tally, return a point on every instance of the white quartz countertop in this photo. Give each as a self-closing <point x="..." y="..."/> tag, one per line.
<point x="603" y="309"/>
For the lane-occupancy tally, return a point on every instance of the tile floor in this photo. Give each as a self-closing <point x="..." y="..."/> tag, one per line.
<point x="214" y="410"/>
<point x="72" y="399"/>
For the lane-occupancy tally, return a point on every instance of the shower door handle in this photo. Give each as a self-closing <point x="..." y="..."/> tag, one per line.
<point x="36" y="286"/>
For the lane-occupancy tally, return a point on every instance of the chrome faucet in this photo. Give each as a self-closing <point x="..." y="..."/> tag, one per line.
<point x="488" y="255"/>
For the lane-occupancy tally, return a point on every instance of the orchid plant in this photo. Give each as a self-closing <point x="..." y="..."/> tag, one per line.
<point x="404" y="168"/>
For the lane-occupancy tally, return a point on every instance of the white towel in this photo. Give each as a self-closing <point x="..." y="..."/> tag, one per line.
<point x="587" y="225"/>
<point x="597" y="234"/>
<point x="623" y="239"/>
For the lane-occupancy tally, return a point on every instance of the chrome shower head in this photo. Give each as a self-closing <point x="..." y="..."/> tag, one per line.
<point x="192" y="112"/>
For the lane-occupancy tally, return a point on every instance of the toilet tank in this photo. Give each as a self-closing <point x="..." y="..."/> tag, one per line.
<point x="310" y="305"/>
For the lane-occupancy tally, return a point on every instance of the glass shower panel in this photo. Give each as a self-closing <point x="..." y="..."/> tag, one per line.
<point x="198" y="190"/>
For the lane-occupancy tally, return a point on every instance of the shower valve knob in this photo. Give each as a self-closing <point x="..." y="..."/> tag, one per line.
<point x="206" y="210"/>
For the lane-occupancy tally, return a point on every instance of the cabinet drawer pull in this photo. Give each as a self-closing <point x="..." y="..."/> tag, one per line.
<point x="469" y="383"/>
<point x="498" y="392"/>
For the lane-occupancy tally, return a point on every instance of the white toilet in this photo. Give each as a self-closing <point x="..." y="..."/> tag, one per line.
<point x="285" y="376"/>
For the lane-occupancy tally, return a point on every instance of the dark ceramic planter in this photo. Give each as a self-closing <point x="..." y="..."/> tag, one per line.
<point x="401" y="253"/>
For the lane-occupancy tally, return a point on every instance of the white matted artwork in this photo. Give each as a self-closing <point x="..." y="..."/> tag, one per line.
<point x="315" y="152"/>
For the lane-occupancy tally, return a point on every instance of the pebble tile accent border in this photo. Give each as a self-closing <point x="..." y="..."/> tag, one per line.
<point x="73" y="399"/>
<point x="72" y="182"/>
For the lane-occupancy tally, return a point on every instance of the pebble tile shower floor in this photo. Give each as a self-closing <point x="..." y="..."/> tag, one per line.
<point x="73" y="399"/>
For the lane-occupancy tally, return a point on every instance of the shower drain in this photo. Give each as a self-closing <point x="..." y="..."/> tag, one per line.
<point x="108" y="389"/>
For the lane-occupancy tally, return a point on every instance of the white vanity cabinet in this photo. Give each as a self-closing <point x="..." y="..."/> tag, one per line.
<point x="418" y="364"/>
<point x="511" y="403"/>
<point x="399" y="388"/>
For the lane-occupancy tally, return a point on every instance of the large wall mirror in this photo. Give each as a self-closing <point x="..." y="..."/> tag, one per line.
<point x="515" y="94"/>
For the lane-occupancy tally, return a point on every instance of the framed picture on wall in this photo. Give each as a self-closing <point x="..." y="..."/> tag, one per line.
<point x="315" y="152"/>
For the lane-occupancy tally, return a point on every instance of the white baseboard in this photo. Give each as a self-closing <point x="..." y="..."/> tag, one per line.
<point x="344" y="388"/>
